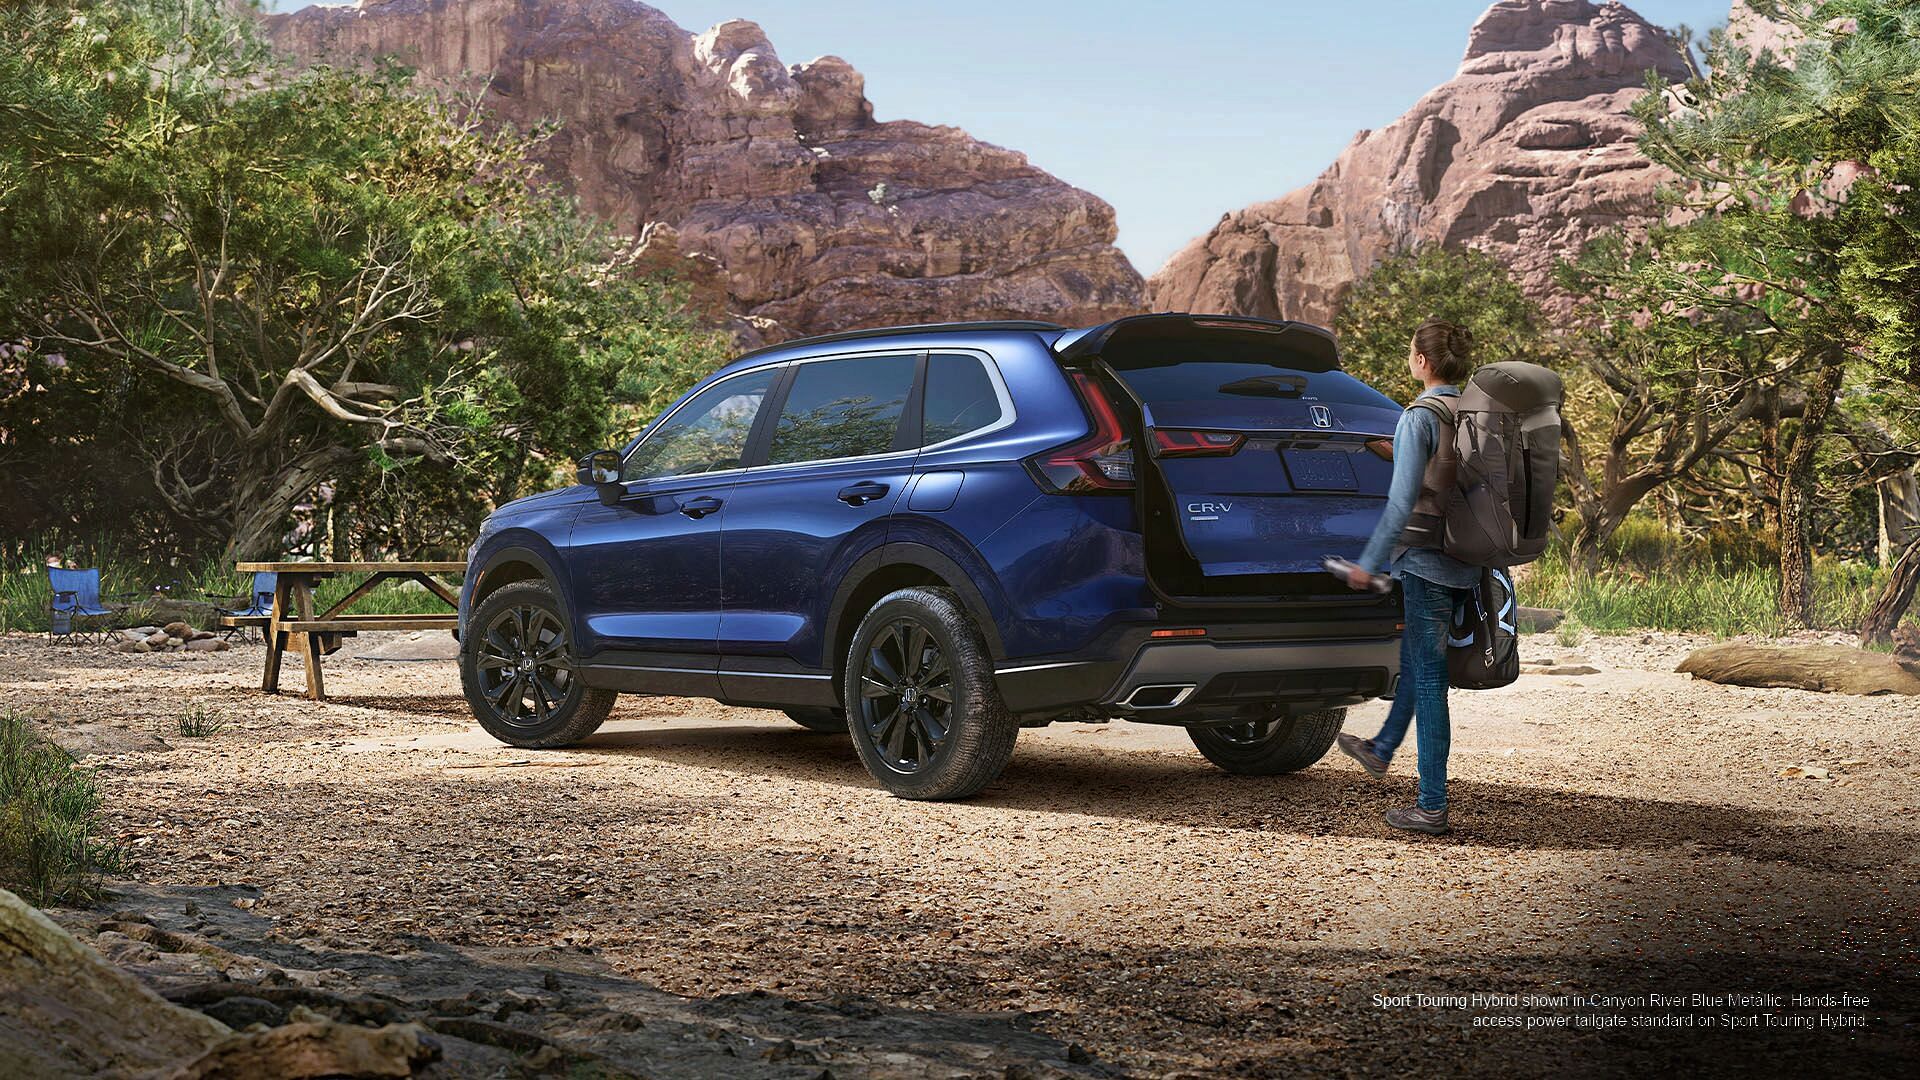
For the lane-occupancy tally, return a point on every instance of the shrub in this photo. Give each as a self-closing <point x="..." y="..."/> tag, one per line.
<point x="198" y="723"/>
<point x="50" y="850"/>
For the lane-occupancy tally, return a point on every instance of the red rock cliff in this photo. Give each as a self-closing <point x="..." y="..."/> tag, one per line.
<point x="1527" y="152"/>
<point x="819" y="217"/>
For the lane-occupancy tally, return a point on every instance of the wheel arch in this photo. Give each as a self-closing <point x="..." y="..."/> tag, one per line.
<point x="507" y="565"/>
<point x="900" y="566"/>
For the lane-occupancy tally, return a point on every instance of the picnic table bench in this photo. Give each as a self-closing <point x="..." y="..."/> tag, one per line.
<point x="293" y="616"/>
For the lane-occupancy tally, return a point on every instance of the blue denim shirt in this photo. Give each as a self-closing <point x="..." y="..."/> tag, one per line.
<point x="1414" y="440"/>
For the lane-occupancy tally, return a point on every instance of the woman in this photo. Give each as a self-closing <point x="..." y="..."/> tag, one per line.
<point x="1430" y="582"/>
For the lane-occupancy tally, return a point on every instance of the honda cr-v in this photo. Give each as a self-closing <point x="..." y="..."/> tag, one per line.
<point x="930" y="537"/>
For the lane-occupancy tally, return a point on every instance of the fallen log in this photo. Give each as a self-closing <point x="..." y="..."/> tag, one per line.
<point x="1534" y="620"/>
<point x="1838" y="669"/>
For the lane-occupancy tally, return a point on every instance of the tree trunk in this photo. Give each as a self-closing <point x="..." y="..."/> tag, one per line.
<point x="1899" y="512"/>
<point x="1598" y="525"/>
<point x="1892" y="603"/>
<point x="1796" y="494"/>
<point x="264" y="506"/>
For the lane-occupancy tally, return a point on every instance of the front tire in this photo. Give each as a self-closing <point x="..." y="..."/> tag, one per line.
<point x="923" y="707"/>
<point x="1271" y="746"/>
<point x="518" y="671"/>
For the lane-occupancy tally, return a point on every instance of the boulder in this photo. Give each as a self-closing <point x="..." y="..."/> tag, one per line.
<point x="760" y="168"/>
<point x="208" y="644"/>
<point x="65" y="1011"/>
<point x="179" y="630"/>
<point x="1839" y="669"/>
<point x="1526" y="153"/>
<point x="158" y="638"/>
<point x="133" y="647"/>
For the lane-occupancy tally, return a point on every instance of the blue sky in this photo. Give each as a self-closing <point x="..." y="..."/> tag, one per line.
<point x="1174" y="113"/>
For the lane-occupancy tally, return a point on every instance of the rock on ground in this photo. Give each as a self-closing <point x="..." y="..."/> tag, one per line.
<point x="555" y="1011"/>
<point x="1839" y="669"/>
<point x="819" y="217"/>
<point x="65" y="1011"/>
<point x="1526" y="153"/>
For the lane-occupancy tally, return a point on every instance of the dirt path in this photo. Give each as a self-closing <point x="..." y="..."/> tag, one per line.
<point x="1622" y="833"/>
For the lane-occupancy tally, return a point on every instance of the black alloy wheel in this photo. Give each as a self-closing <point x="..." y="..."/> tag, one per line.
<point x="1271" y="742"/>
<point x="517" y="669"/>
<point x="1250" y="734"/>
<point x="906" y="696"/>
<point x="523" y="666"/>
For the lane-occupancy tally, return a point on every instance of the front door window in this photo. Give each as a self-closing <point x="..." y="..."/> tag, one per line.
<point x="707" y="434"/>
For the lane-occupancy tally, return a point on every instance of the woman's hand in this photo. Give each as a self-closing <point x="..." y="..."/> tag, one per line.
<point x="1359" y="579"/>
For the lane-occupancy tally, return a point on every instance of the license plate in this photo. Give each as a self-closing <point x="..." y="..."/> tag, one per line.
<point x="1319" y="470"/>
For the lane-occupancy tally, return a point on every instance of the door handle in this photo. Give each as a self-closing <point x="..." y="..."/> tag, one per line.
<point x="862" y="493"/>
<point x="700" y="507"/>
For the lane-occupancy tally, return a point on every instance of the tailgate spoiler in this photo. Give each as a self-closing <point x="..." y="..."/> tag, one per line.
<point x="1303" y="341"/>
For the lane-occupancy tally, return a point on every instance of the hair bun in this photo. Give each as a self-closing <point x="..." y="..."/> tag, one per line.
<point x="1460" y="341"/>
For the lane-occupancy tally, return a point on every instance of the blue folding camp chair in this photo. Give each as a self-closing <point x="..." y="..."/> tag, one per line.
<point x="259" y="605"/>
<point x="76" y="610"/>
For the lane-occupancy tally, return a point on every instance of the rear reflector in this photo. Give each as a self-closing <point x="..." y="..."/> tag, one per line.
<point x="1381" y="447"/>
<point x="1176" y="443"/>
<point x="1185" y="632"/>
<point x="1098" y="464"/>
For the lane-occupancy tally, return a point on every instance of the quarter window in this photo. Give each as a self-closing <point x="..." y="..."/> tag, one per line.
<point x="959" y="398"/>
<point x="842" y="409"/>
<point x="707" y="434"/>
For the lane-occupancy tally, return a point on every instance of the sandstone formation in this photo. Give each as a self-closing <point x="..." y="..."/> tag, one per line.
<point x="819" y="217"/>
<point x="1526" y="153"/>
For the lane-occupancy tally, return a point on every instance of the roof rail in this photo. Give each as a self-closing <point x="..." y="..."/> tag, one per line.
<point x="890" y="331"/>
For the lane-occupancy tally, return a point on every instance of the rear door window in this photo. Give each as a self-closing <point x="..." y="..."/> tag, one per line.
<point x="842" y="408"/>
<point x="960" y="398"/>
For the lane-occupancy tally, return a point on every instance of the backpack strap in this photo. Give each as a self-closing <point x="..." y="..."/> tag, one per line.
<point x="1426" y="526"/>
<point x="1440" y="405"/>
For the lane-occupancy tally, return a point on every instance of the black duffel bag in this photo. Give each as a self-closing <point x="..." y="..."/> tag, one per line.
<point x="1483" y="649"/>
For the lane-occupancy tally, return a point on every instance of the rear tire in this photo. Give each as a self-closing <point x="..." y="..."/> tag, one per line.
<point x="923" y="707"/>
<point x="1270" y="747"/>
<point x="831" y="721"/>
<point x="519" y="634"/>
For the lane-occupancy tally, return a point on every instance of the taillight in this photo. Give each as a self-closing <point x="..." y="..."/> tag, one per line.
<point x="1098" y="464"/>
<point x="1176" y="443"/>
<point x="1382" y="448"/>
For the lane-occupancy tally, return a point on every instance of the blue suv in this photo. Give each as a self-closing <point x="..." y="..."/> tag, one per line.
<point x="933" y="536"/>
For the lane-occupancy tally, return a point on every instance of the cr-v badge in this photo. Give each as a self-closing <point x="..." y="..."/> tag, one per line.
<point x="1322" y="416"/>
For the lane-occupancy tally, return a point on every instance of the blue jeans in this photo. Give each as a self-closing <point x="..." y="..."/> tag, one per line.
<point x="1423" y="685"/>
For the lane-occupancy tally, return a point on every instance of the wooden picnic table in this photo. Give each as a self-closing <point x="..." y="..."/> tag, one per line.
<point x="317" y="635"/>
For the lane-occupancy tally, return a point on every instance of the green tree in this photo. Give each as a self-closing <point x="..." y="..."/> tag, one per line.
<point x="306" y="276"/>
<point x="1798" y="177"/>
<point x="1378" y="316"/>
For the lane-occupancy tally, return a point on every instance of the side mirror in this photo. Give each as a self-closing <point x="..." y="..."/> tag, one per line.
<point x="601" y="470"/>
<point x="600" y="467"/>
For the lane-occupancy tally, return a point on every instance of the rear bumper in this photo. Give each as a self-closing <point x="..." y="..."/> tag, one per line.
<point x="1185" y="681"/>
<point x="1198" y="681"/>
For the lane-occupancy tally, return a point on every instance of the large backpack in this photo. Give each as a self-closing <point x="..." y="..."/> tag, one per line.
<point x="1487" y="496"/>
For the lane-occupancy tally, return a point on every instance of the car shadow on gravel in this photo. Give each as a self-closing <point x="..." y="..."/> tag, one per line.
<point x="1327" y="800"/>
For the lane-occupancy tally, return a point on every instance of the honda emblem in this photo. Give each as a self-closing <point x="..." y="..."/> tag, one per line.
<point x="1322" y="416"/>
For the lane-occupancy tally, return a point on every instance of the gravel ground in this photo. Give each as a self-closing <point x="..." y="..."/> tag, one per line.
<point x="1623" y="833"/>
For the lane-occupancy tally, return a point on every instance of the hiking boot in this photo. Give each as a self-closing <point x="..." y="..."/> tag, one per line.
<point x="1361" y="750"/>
<point x="1414" y="819"/>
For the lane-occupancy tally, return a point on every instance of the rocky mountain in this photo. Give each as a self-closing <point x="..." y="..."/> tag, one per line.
<point x="807" y="213"/>
<point x="1527" y="152"/>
